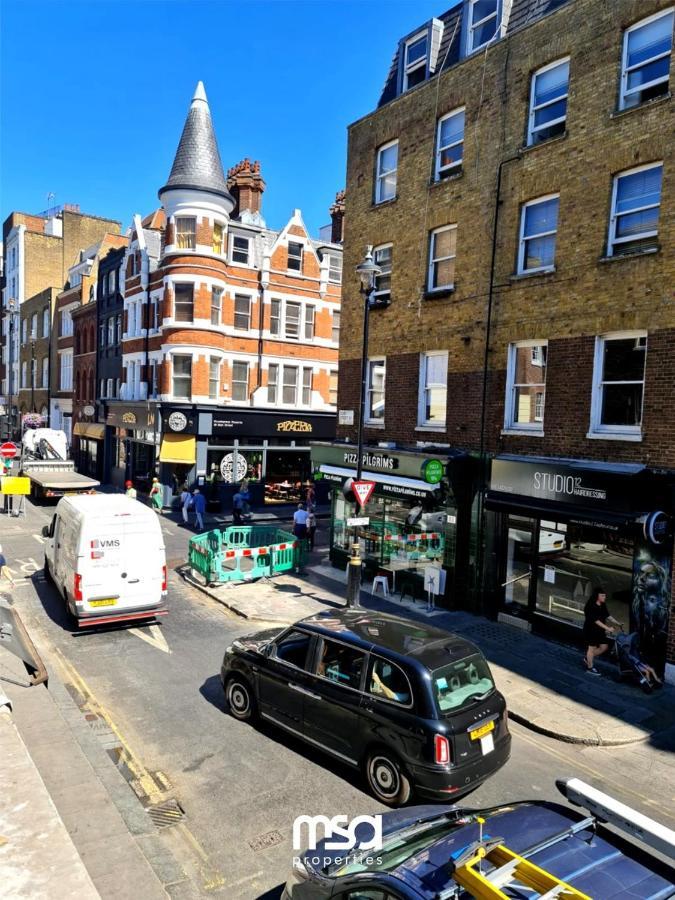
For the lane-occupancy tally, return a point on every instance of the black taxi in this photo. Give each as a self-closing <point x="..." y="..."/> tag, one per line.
<point x="413" y="706"/>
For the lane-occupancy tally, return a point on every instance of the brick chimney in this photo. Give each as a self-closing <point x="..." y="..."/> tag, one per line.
<point x="246" y="185"/>
<point x="337" y="216"/>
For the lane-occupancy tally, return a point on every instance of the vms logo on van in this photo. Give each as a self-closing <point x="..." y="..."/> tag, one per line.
<point x="101" y="544"/>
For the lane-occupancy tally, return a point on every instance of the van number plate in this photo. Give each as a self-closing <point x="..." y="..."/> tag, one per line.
<point x="106" y="601"/>
<point x="482" y="731"/>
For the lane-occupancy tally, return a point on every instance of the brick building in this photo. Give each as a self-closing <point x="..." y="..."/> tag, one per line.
<point x="37" y="251"/>
<point x="517" y="182"/>
<point x="88" y="434"/>
<point x="35" y="320"/>
<point x="230" y="332"/>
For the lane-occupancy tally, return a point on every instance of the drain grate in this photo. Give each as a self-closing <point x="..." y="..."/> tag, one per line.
<point x="269" y="839"/>
<point x="167" y="813"/>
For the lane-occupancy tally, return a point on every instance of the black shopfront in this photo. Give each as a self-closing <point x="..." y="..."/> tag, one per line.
<point x="270" y="450"/>
<point x="557" y="528"/>
<point x="420" y="513"/>
<point x="132" y="442"/>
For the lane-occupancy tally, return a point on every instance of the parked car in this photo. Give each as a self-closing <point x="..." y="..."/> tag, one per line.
<point x="105" y="554"/>
<point x="413" y="706"/>
<point x="522" y="849"/>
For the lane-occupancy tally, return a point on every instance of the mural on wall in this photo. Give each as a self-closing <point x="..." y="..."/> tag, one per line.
<point x="651" y="599"/>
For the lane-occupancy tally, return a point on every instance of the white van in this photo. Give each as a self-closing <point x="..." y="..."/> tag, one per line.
<point x="105" y="554"/>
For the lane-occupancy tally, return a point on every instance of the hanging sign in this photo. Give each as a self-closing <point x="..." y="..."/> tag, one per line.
<point x="362" y="491"/>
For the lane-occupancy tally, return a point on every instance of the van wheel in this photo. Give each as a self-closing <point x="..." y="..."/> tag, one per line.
<point x="240" y="699"/>
<point x="386" y="779"/>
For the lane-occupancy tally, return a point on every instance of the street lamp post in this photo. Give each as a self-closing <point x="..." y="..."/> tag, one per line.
<point x="367" y="272"/>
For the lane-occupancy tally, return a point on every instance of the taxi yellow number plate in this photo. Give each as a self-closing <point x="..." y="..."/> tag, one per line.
<point x="106" y="601"/>
<point x="482" y="731"/>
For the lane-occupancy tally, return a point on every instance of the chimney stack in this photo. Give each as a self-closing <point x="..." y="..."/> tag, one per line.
<point x="337" y="216"/>
<point x="246" y="185"/>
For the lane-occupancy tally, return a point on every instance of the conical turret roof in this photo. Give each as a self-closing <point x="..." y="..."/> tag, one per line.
<point x="197" y="163"/>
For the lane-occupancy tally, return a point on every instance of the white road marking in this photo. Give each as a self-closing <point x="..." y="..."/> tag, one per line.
<point x="155" y="638"/>
<point x="28" y="565"/>
<point x="38" y="539"/>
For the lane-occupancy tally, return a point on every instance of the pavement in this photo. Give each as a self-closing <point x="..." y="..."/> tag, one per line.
<point x="544" y="682"/>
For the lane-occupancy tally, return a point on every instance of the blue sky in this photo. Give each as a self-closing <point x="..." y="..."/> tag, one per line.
<point x="95" y="92"/>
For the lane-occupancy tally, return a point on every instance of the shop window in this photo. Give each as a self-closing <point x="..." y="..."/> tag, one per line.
<point x="240" y="381"/>
<point x="182" y="377"/>
<point x="526" y="386"/>
<point x="645" y="64"/>
<point x="242" y="312"/>
<point x="375" y="391"/>
<point x="183" y="302"/>
<point x="186" y="232"/>
<point x="433" y="397"/>
<point x="618" y="385"/>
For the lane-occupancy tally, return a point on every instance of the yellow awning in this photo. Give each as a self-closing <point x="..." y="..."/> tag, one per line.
<point x="94" y="430"/>
<point x="178" y="448"/>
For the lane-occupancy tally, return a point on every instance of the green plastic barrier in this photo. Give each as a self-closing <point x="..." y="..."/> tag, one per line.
<point x="244" y="553"/>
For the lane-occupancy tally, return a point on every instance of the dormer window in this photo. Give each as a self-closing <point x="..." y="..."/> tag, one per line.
<point x="295" y="256"/>
<point x="483" y="23"/>
<point x="415" y="60"/>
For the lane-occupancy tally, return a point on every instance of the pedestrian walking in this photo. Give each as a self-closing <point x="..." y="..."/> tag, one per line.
<point x="597" y="628"/>
<point x="4" y="569"/>
<point x="130" y="489"/>
<point x="238" y="508"/>
<point x="156" y="496"/>
<point x="199" y="506"/>
<point x="185" y="503"/>
<point x="300" y="518"/>
<point x="311" y="528"/>
<point x="310" y="496"/>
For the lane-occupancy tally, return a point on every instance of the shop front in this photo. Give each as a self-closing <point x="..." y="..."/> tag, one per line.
<point x="132" y="430"/>
<point x="417" y="515"/>
<point x="559" y="528"/>
<point x="269" y="450"/>
<point x="89" y="448"/>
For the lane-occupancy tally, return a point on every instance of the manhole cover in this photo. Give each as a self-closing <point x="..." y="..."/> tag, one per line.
<point x="167" y="813"/>
<point x="269" y="839"/>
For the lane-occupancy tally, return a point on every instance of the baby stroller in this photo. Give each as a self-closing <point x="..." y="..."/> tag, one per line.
<point x="627" y="649"/>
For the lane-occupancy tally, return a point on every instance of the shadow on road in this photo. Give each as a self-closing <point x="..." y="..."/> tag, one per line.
<point x="272" y="894"/>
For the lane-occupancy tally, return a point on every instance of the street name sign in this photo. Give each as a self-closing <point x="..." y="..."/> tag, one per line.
<point x="362" y="491"/>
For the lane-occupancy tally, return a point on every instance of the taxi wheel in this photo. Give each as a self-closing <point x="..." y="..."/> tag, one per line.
<point x="240" y="699"/>
<point x="386" y="779"/>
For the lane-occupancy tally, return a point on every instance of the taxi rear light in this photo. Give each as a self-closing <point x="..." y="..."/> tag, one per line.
<point x="441" y="750"/>
<point x="163" y="578"/>
<point x="77" y="588"/>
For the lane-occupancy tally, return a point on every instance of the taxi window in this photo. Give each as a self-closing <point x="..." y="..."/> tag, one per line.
<point x="388" y="682"/>
<point x="292" y="648"/>
<point x="462" y="682"/>
<point x="341" y="664"/>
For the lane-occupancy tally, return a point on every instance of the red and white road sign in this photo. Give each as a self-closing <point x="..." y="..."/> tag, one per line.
<point x="362" y="491"/>
<point x="8" y="450"/>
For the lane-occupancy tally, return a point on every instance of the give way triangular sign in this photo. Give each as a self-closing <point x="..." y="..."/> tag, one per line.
<point x="362" y="491"/>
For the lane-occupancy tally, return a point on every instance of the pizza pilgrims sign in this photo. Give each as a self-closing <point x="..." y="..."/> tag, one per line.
<point x="362" y="491"/>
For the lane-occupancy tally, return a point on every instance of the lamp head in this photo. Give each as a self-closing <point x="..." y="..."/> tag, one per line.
<point x="368" y="270"/>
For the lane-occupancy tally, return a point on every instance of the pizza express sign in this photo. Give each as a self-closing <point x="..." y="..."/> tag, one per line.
<point x="562" y="483"/>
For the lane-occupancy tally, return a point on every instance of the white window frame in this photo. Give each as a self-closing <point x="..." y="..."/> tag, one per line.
<point x="532" y="129"/>
<point x="625" y="93"/>
<point x="425" y="387"/>
<point x="218" y="250"/>
<point x="615" y="432"/>
<point x="473" y="26"/>
<point x="383" y="295"/>
<point x="247" y="314"/>
<point x="214" y="382"/>
<point x="109" y="388"/>
<point x="273" y="383"/>
<point x="233" y="249"/>
<point x="174" y="356"/>
<point x="240" y="381"/>
<point x="309" y="326"/>
<point x="381" y="175"/>
<point x="110" y="337"/>
<point x="335" y="268"/>
<point x="45" y="371"/>
<point x="333" y="385"/>
<point x="24" y="374"/>
<point x="66" y="323"/>
<point x="190" y="244"/>
<point x="217" y="305"/>
<point x="612" y="240"/>
<point x="101" y="387"/>
<point x="33" y="326"/>
<point x="510" y="424"/>
<point x="46" y="322"/>
<point x="293" y="303"/>
<point x="522" y="239"/>
<point x="435" y="259"/>
<point x="296" y="259"/>
<point x="409" y="68"/>
<point x="440" y="171"/>
<point x="335" y="327"/>
<point x="294" y="386"/>
<point x="66" y="371"/>
<point x="306" y="386"/>
<point x="372" y="362"/>
<point x="183" y="284"/>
